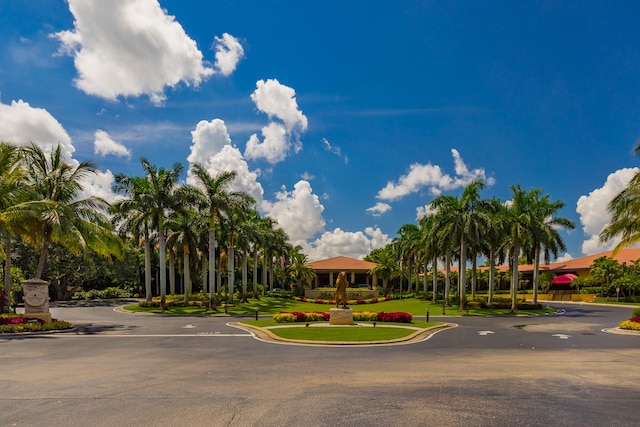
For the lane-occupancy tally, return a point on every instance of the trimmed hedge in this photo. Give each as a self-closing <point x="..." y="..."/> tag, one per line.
<point x="362" y="316"/>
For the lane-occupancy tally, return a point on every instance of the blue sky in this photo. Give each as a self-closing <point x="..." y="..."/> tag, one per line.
<point x="343" y="118"/>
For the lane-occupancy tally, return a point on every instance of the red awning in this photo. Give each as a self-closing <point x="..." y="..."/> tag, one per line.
<point x="565" y="279"/>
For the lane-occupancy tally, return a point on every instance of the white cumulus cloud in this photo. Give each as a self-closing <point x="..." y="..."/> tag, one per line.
<point x="286" y="124"/>
<point x="273" y="147"/>
<point x="433" y="177"/>
<point x="105" y="145"/>
<point x="130" y="48"/>
<point x="338" y="242"/>
<point x="212" y="149"/>
<point x="298" y="212"/>
<point x="379" y="209"/>
<point x="593" y="212"/>
<point x="22" y="124"/>
<point x="229" y="52"/>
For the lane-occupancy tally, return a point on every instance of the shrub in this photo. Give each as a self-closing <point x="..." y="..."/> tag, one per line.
<point x="397" y="316"/>
<point x="284" y="317"/>
<point x="629" y="324"/>
<point x="636" y="312"/>
<point x="365" y="316"/>
<point x="18" y="324"/>
<point x="107" y="293"/>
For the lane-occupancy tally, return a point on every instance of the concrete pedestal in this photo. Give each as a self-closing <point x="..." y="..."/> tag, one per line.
<point x="341" y="316"/>
<point x="36" y="299"/>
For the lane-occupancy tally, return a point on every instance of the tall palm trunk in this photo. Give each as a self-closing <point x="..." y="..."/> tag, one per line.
<point x="463" y="275"/>
<point x="163" y="267"/>
<point x="203" y="268"/>
<point x="4" y="305"/>
<point x="492" y="273"/>
<point x="212" y="267"/>
<point x="172" y="271"/>
<point x="46" y="241"/>
<point x="447" y="277"/>
<point x="245" y="268"/>
<point x="255" y="273"/>
<point x="514" y="278"/>
<point x="536" y="274"/>
<point x="232" y="274"/>
<point x="187" y="273"/>
<point x="474" y="276"/>
<point x="147" y="267"/>
<point x="434" y="265"/>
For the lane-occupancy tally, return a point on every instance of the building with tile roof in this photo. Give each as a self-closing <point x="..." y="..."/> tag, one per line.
<point x="357" y="271"/>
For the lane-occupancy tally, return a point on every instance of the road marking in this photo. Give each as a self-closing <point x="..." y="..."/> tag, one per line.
<point x="485" y="333"/>
<point x="189" y="326"/>
<point x="562" y="336"/>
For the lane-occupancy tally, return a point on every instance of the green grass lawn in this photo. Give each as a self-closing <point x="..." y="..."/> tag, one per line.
<point x="272" y="305"/>
<point x="354" y="333"/>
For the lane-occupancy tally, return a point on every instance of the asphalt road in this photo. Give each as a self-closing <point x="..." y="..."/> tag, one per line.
<point x="125" y="369"/>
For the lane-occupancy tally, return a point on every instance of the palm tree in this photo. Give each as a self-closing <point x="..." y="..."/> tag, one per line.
<point x="625" y="217"/>
<point x="544" y="233"/>
<point x="183" y="229"/>
<point x="216" y="200"/>
<point x="464" y="222"/>
<point x="519" y="217"/>
<point x="299" y="272"/>
<point x="407" y="245"/>
<point x="133" y="216"/>
<point x="387" y="266"/>
<point x="495" y="238"/>
<point x="162" y="198"/>
<point x="77" y="224"/>
<point x="13" y="213"/>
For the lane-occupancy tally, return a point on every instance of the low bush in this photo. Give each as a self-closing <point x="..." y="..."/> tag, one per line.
<point x="107" y="293"/>
<point x="630" y="325"/>
<point x="19" y="323"/>
<point x="361" y="316"/>
<point x="397" y="316"/>
<point x="636" y="312"/>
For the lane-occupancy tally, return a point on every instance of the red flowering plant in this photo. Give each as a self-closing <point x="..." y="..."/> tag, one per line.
<point x="635" y="319"/>
<point x="398" y="316"/>
<point x="10" y="319"/>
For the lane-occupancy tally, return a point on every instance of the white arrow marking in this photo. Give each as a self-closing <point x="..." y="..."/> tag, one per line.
<point x="188" y="326"/>
<point x="485" y="333"/>
<point x="562" y="336"/>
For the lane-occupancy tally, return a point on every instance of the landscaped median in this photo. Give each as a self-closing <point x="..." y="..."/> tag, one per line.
<point x="362" y="333"/>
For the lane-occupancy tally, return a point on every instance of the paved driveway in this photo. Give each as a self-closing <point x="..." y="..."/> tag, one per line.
<point x="141" y="370"/>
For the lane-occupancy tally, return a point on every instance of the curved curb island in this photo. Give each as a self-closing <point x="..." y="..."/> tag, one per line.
<point x="420" y="334"/>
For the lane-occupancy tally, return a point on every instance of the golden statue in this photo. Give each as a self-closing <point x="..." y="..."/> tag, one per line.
<point x="341" y="289"/>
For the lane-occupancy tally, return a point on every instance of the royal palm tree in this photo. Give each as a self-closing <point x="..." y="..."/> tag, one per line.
<point x="163" y="200"/>
<point x="217" y="200"/>
<point x="462" y="219"/>
<point x="495" y="237"/>
<point x="133" y="217"/>
<point x="518" y="219"/>
<point x="183" y="229"/>
<point x="545" y="237"/>
<point x="77" y="224"/>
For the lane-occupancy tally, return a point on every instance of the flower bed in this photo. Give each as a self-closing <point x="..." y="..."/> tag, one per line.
<point x="15" y="323"/>
<point x="361" y="316"/>
<point x="631" y="324"/>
